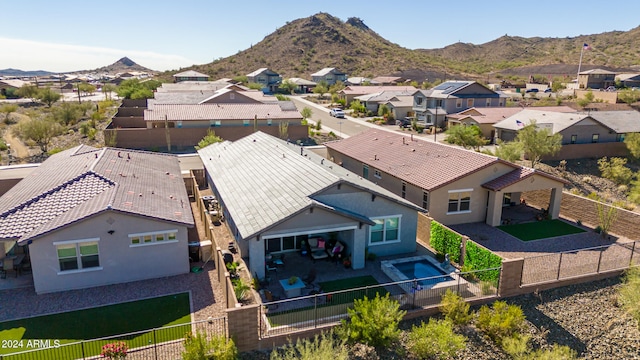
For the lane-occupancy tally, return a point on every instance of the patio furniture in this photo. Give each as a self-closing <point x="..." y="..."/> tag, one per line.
<point x="337" y="251"/>
<point x="317" y="248"/>
<point x="7" y="264"/>
<point x="292" y="290"/>
<point x="271" y="267"/>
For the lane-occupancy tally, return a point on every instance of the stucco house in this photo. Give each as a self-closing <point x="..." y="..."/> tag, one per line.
<point x="270" y="80"/>
<point x="303" y="86"/>
<point x="190" y="75"/>
<point x="629" y="80"/>
<point x="433" y="105"/>
<point x="596" y="79"/>
<point x="454" y="185"/>
<point x="486" y="117"/>
<point x="330" y="75"/>
<point x="93" y="217"/>
<point x="373" y="101"/>
<point x="276" y="196"/>
<point x="595" y="134"/>
<point x="350" y="92"/>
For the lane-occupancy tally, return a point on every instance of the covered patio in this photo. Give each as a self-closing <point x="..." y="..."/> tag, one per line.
<point x="15" y="266"/>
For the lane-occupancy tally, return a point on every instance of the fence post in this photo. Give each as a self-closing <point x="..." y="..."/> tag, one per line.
<point x="599" y="261"/>
<point x="415" y="291"/>
<point x="559" y="267"/>
<point x="155" y="344"/>
<point x="458" y="288"/>
<point x="315" y="311"/>
<point x="633" y="250"/>
<point x="82" y="348"/>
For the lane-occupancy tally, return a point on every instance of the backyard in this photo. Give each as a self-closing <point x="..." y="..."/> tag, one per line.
<point x="50" y="331"/>
<point x="540" y="230"/>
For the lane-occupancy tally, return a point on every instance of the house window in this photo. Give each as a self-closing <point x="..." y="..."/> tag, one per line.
<point x="269" y="122"/>
<point x="574" y="139"/>
<point x="429" y="119"/>
<point x="404" y="190"/>
<point x="620" y="137"/>
<point x="595" y="138"/>
<point x="365" y="171"/>
<point x="506" y="199"/>
<point x="179" y="124"/>
<point x="377" y="174"/>
<point x="459" y="201"/>
<point x="385" y="230"/>
<point x="152" y="238"/>
<point x="469" y="103"/>
<point x="285" y="243"/>
<point x="217" y="123"/>
<point x="425" y="200"/>
<point x="500" y="102"/>
<point x="245" y="122"/>
<point x="78" y="255"/>
<point x="232" y="96"/>
<point x="419" y="100"/>
<point x="458" y="103"/>
<point x="488" y="103"/>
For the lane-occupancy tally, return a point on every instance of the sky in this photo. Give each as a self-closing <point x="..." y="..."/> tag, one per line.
<point x="72" y="35"/>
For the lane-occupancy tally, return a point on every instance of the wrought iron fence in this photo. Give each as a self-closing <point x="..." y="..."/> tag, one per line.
<point x="580" y="262"/>
<point x="158" y="344"/>
<point x="327" y="309"/>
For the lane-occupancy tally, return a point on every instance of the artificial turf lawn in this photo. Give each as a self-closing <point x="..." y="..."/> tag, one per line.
<point x="100" y="322"/>
<point x="540" y="229"/>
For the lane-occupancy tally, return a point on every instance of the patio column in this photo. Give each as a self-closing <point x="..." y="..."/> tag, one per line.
<point x="554" y="203"/>
<point x="494" y="208"/>
<point x="357" y="253"/>
<point x="256" y="256"/>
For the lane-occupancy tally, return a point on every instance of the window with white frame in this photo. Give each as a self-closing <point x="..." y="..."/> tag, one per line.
<point x="151" y="238"/>
<point x="404" y="190"/>
<point x="386" y="230"/>
<point x="365" y="171"/>
<point x="78" y="255"/>
<point x="458" y="103"/>
<point x="459" y="201"/>
<point x="269" y="122"/>
<point x="245" y="122"/>
<point x="377" y="174"/>
<point x="419" y="100"/>
<point x="232" y="96"/>
<point x="469" y="103"/>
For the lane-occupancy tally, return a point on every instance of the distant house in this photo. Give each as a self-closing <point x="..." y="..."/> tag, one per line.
<point x="596" y="79"/>
<point x="388" y="80"/>
<point x="93" y="217"/>
<point x="329" y="75"/>
<point x="349" y="93"/>
<point x="303" y="86"/>
<point x="629" y="80"/>
<point x="190" y="75"/>
<point x="401" y="106"/>
<point x="358" y="80"/>
<point x="285" y="209"/>
<point x="8" y="86"/>
<point x="373" y="101"/>
<point x="269" y="80"/>
<point x="433" y="105"/>
<point x="454" y="185"/>
<point x="486" y="117"/>
<point x="596" y="134"/>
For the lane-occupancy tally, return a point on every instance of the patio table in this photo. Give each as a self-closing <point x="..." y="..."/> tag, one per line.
<point x="292" y="290"/>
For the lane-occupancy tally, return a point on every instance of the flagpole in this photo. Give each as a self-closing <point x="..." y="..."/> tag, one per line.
<point x="579" y="66"/>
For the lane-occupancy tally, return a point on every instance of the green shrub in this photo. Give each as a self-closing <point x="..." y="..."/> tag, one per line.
<point x="517" y="346"/>
<point x="557" y="352"/>
<point x="479" y="258"/>
<point x="455" y="309"/>
<point x="445" y="241"/>
<point x="500" y="321"/>
<point x="373" y="321"/>
<point x="324" y="346"/>
<point x="629" y="294"/>
<point x="241" y="289"/>
<point x="196" y="347"/>
<point x="435" y="340"/>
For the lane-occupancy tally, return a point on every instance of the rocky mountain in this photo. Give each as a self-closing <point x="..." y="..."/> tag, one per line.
<point x="306" y="45"/>
<point x="122" y="65"/>
<point x="21" y="73"/>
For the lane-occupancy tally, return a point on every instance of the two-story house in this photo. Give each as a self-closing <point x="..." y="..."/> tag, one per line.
<point x="190" y="75"/>
<point x="330" y="75"/>
<point x="432" y="106"/>
<point x="596" y="79"/>
<point x="269" y="80"/>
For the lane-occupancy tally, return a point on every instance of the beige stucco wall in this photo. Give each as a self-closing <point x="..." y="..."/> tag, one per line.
<point x="120" y="262"/>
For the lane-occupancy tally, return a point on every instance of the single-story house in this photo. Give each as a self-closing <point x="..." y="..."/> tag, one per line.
<point x="629" y="80"/>
<point x="190" y="75"/>
<point x="8" y="86"/>
<point x="454" y="185"/>
<point x="595" y="134"/>
<point x="349" y="93"/>
<point x="302" y="85"/>
<point x="400" y="106"/>
<point x="486" y="117"/>
<point x="359" y="80"/>
<point x="92" y="217"/>
<point x="388" y="80"/>
<point x="373" y="101"/>
<point x="276" y="196"/>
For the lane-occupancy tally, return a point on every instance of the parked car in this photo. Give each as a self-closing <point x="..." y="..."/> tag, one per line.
<point x="336" y="112"/>
<point x="404" y="123"/>
<point x="548" y="90"/>
<point x="611" y="88"/>
<point x="531" y="91"/>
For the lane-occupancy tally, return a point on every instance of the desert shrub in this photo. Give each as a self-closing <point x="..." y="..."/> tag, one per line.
<point x="324" y="346"/>
<point x="557" y="352"/>
<point x="196" y="347"/>
<point x="517" y="346"/>
<point x="435" y="340"/>
<point x="629" y="294"/>
<point x="319" y="125"/>
<point x="372" y="321"/>
<point x="3" y="145"/>
<point x="615" y="170"/>
<point x="500" y="321"/>
<point x="454" y="308"/>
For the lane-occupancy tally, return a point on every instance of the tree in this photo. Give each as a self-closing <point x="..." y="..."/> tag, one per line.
<point x="7" y="109"/>
<point x="321" y="88"/>
<point x="466" y="136"/>
<point x="306" y="113"/>
<point x="510" y="151"/>
<point x="288" y="86"/>
<point x="383" y="110"/>
<point x="67" y="113"/>
<point x="373" y="321"/>
<point x="27" y="91"/>
<point x="615" y="170"/>
<point x="339" y="85"/>
<point x="629" y="96"/>
<point x="255" y="86"/>
<point x="107" y="89"/>
<point x="134" y="89"/>
<point x="632" y="141"/>
<point x="40" y="131"/>
<point x="607" y="216"/>
<point x="86" y="88"/>
<point x="210" y="138"/>
<point x="48" y="96"/>
<point x="538" y="143"/>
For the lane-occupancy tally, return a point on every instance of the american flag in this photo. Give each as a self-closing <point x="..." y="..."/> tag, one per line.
<point x="519" y="123"/>
<point x="586" y="46"/>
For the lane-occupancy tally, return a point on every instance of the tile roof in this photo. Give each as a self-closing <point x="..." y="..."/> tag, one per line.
<point x="83" y="181"/>
<point x="300" y="81"/>
<point x="515" y="176"/>
<point x="326" y="71"/>
<point x="492" y="115"/>
<point x="401" y="101"/>
<point x="621" y="122"/>
<point x="263" y="180"/>
<point x="219" y="111"/>
<point x="361" y="90"/>
<point x="556" y="121"/>
<point x="262" y="70"/>
<point x="424" y="164"/>
<point x="596" y="71"/>
<point x="191" y="73"/>
<point x="385" y="95"/>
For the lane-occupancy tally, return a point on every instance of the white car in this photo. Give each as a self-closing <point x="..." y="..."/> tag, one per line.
<point x="336" y="113"/>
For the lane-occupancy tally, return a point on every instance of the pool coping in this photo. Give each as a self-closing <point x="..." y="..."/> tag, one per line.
<point x="396" y="275"/>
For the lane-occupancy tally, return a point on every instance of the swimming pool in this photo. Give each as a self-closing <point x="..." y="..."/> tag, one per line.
<point x="422" y="269"/>
<point x="425" y="268"/>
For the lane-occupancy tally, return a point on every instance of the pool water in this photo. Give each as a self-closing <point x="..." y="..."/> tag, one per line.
<point x="423" y="269"/>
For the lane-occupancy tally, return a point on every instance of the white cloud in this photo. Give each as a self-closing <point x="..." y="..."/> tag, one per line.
<point x="34" y="55"/>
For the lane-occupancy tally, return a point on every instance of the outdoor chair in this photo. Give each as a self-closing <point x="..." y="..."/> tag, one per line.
<point x="7" y="264"/>
<point x="271" y="267"/>
<point x="268" y="295"/>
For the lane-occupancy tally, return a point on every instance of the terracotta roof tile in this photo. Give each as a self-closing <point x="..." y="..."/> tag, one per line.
<point x="218" y="112"/>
